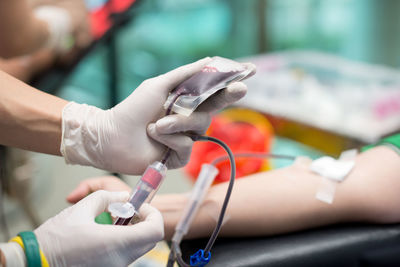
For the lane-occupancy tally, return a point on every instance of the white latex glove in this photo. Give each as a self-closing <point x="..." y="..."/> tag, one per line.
<point x="116" y="139"/>
<point x="73" y="238"/>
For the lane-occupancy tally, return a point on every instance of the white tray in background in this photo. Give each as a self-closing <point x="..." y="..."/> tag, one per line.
<point x="353" y="99"/>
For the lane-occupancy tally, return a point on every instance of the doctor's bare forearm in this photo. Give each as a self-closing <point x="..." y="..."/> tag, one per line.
<point x="29" y="119"/>
<point x="21" y="32"/>
<point x="284" y="200"/>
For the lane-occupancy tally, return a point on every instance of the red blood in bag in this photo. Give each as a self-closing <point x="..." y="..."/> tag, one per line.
<point x="203" y="81"/>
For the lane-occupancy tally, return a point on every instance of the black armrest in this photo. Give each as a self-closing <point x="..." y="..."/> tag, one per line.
<point x="338" y="245"/>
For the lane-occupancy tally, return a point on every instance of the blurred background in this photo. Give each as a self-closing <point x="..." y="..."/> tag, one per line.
<point x="327" y="80"/>
<point x="165" y="34"/>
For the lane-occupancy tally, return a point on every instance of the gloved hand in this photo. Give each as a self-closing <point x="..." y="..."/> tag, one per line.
<point x="73" y="238"/>
<point x="116" y="139"/>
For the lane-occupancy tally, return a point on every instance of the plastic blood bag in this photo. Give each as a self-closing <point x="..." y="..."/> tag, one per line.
<point x="216" y="75"/>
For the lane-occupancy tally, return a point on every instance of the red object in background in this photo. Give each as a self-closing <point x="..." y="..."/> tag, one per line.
<point x="118" y="6"/>
<point x="99" y="21"/>
<point x="100" y="18"/>
<point x="240" y="137"/>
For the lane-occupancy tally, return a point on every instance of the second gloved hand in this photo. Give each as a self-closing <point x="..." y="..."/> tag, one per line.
<point x="134" y="133"/>
<point x="73" y="238"/>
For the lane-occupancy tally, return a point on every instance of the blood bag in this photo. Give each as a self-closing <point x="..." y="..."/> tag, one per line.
<point x="215" y="76"/>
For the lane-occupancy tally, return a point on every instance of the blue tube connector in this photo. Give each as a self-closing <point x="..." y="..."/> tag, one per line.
<point x="198" y="259"/>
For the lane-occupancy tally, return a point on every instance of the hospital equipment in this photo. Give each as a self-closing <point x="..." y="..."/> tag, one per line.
<point x="148" y="185"/>
<point x="216" y="75"/>
<point x="224" y="72"/>
<point x="144" y="191"/>
<point x="206" y="177"/>
<point x="197" y="89"/>
<point x="356" y="101"/>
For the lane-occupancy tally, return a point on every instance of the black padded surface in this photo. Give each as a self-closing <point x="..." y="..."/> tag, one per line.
<point x="339" y="245"/>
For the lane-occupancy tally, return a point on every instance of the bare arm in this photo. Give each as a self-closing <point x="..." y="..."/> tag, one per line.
<point x="20" y="32"/>
<point x="284" y="200"/>
<point x="29" y="118"/>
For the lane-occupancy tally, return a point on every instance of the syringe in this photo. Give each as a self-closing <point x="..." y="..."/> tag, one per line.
<point x="144" y="191"/>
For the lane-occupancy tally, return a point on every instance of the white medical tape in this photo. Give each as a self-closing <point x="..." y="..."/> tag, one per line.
<point x="333" y="172"/>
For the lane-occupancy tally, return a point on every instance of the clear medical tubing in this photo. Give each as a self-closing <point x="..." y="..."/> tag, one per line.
<point x="175" y="251"/>
<point x="228" y="190"/>
<point x="145" y="189"/>
<point x="206" y="177"/>
<point x="260" y="155"/>
<point x="176" y="254"/>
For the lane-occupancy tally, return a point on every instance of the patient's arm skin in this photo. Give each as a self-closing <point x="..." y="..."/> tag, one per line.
<point x="29" y="118"/>
<point x="284" y="200"/>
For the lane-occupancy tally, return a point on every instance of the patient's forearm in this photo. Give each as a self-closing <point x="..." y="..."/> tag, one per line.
<point x="265" y="203"/>
<point x="29" y="118"/>
<point x="284" y="200"/>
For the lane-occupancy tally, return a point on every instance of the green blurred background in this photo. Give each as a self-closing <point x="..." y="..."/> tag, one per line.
<point x="163" y="34"/>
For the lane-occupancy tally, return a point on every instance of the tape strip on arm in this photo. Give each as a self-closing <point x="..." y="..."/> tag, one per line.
<point x="332" y="171"/>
